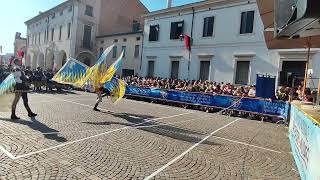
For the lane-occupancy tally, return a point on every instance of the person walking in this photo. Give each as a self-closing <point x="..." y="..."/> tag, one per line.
<point x="21" y="90"/>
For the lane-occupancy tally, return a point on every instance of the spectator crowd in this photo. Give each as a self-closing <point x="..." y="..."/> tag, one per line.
<point x="41" y="80"/>
<point x="283" y="93"/>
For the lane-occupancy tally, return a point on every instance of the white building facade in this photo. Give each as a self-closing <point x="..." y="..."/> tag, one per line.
<point x="228" y="45"/>
<point x="67" y="30"/>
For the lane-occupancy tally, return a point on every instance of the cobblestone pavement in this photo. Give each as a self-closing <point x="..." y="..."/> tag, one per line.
<point x="137" y="140"/>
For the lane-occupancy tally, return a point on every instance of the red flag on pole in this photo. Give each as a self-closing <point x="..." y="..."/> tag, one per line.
<point x="187" y="40"/>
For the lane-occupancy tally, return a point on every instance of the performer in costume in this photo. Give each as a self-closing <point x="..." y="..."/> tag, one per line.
<point x="77" y="74"/>
<point x="21" y="90"/>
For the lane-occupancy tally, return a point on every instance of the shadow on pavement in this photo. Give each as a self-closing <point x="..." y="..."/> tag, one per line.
<point x="38" y="126"/>
<point x="155" y="127"/>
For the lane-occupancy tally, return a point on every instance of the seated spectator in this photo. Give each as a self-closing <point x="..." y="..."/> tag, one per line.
<point x="239" y="91"/>
<point x="252" y="92"/>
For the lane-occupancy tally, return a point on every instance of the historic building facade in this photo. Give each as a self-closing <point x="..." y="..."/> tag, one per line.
<point x="70" y="30"/>
<point x="227" y="44"/>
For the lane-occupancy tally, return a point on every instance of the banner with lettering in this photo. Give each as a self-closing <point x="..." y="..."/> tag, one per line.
<point x="259" y="106"/>
<point x="304" y="138"/>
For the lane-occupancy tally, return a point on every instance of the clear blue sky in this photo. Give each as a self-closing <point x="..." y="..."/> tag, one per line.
<point x="14" y="13"/>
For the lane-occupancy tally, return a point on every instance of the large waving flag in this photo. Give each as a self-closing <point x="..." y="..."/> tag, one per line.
<point x="112" y="69"/>
<point x="117" y="88"/>
<point x="72" y="73"/>
<point x="7" y="93"/>
<point x="94" y="70"/>
<point x="76" y="73"/>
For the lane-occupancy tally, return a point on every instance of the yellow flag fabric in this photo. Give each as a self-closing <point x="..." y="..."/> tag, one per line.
<point x="117" y="88"/>
<point x="7" y="93"/>
<point x="112" y="69"/>
<point x="77" y="74"/>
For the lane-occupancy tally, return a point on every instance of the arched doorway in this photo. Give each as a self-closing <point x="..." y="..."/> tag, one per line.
<point x="87" y="58"/>
<point x="34" y="61"/>
<point x="62" y="58"/>
<point x="49" y="60"/>
<point x="40" y="61"/>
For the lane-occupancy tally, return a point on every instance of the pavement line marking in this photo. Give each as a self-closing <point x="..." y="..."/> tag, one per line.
<point x="98" y="135"/>
<point x="188" y="150"/>
<point x="246" y="144"/>
<point x="11" y="156"/>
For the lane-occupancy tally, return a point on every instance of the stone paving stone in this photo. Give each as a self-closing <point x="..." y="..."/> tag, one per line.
<point x="135" y="153"/>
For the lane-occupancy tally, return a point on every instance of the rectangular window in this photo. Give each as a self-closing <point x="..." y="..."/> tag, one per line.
<point x="247" y="21"/>
<point x="70" y="8"/>
<point x="150" y="69"/>
<point x="135" y="26"/>
<point x="242" y="72"/>
<point x="114" y="52"/>
<point x="138" y="38"/>
<point x="87" y="36"/>
<point x="89" y="11"/>
<point x="60" y="32"/>
<point x="39" y="38"/>
<point x="124" y="49"/>
<point x="124" y="39"/>
<point x="208" y="26"/>
<point x="52" y="34"/>
<point x="69" y="30"/>
<point x="53" y="16"/>
<point x="154" y="33"/>
<point x="116" y="40"/>
<point x="136" y="51"/>
<point x="175" y="69"/>
<point x="176" y="29"/>
<point x="61" y="13"/>
<point x="47" y="34"/>
<point x="127" y="72"/>
<point x="204" y="70"/>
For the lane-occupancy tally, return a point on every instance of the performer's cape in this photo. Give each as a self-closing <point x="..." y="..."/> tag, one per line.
<point x="7" y="93"/>
<point x="77" y="74"/>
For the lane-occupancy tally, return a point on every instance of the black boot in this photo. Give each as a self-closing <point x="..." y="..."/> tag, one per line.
<point x="96" y="108"/>
<point x="13" y="115"/>
<point x="30" y="113"/>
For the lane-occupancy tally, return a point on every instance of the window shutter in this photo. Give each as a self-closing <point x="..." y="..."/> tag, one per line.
<point x="173" y="30"/>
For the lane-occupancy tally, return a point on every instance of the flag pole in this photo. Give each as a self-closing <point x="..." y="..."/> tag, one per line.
<point x="307" y="67"/>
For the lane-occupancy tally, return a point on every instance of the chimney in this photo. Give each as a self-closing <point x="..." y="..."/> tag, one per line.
<point x="169" y="3"/>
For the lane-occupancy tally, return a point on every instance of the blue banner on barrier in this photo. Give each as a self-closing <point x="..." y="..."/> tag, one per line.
<point x="304" y="138"/>
<point x="260" y="106"/>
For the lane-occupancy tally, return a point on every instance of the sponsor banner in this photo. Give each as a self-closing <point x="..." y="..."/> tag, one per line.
<point x="259" y="106"/>
<point x="304" y="138"/>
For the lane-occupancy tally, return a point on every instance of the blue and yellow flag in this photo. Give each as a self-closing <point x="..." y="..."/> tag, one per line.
<point x="7" y="93"/>
<point x="72" y="73"/>
<point x="77" y="74"/>
<point x="112" y="69"/>
<point x="117" y="88"/>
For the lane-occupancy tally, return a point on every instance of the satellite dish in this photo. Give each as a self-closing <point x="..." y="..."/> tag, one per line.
<point x="296" y="18"/>
<point x="285" y="10"/>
